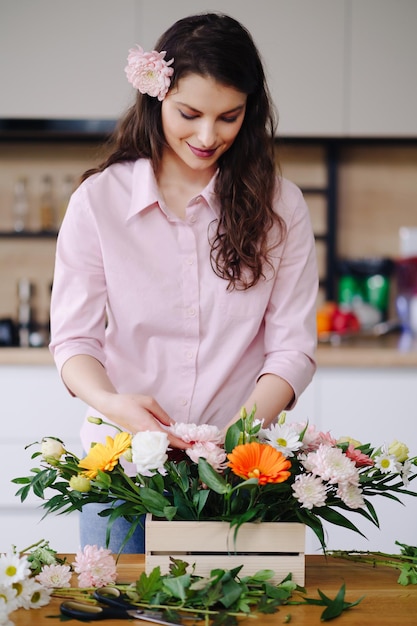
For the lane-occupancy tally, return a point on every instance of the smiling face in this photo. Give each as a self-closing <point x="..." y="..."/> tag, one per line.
<point x="201" y="119"/>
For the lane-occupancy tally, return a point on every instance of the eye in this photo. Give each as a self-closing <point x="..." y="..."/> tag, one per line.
<point x="229" y="120"/>
<point x="187" y="117"/>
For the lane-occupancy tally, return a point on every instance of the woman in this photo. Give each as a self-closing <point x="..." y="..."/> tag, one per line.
<point x="185" y="282"/>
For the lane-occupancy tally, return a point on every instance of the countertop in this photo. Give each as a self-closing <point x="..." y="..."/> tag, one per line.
<point x="385" y="602"/>
<point x="392" y="350"/>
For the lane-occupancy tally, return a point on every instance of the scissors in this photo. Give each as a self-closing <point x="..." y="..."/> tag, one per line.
<point x="116" y="607"/>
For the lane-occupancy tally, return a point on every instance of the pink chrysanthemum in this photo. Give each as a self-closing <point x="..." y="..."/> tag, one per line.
<point x="332" y="465"/>
<point x="351" y="495"/>
<point x="197" y="433"/>
<point x="148" y="72"/>
<point x="95" y="566"/>
<point x="213" y="454"/>
<point x="309" y="490"/>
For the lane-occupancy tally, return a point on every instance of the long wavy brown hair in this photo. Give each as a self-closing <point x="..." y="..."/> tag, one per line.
<point x="217" y="46"/>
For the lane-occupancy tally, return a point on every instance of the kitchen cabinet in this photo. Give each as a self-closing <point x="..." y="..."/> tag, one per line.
<point x="35" y="404"/>
<point x="371" y="404"/>
<point x="381" y="62"/>
<point x="302" y="44"/>
<point x="78" y="51"/>
<point x="65" y="59"/>
<point x="335" y="69"/>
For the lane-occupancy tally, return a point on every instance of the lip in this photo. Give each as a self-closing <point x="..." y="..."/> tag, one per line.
<point x="202" y="154"/>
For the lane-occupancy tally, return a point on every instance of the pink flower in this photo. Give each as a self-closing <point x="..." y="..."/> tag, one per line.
<point x="213" y="454"/>
<point x="95" y="566"/>
<point x="310" y="491"/>
<point x="359" y="458"/>
<point x="332" y="465"/>
<point x="53" y="576"/>
<point x="313" y="438"/>
<point x="148" y="72"/>
<point x="197" y="433"/>
<point x="351" y="495"/>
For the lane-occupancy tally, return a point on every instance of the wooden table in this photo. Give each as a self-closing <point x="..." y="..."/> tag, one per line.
<point x="386" y="603"/>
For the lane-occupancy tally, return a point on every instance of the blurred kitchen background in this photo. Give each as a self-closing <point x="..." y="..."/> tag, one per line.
<point x="343" y="77"/>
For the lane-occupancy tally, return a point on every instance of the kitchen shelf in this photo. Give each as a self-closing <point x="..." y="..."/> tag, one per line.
<point x="28" y="234"/>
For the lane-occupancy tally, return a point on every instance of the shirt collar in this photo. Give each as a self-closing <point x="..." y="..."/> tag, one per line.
<point x="145" y="192"/>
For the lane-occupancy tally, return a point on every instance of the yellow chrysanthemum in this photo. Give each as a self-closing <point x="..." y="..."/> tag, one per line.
<point x="105" y="457"/>
<point x="261" y="461"/>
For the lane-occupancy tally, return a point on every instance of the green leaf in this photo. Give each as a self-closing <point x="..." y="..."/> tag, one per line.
<point x="177" y="586"/>
<point x="233" y="436"/>
<point x="154" y="502"/>
<point x="232" y="590"/>
<point x="149" y="584"/>
<point x="211" y="478"/>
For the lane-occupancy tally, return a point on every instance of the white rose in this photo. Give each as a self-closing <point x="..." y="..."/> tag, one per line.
<point x="149" y="452"/>
<point x="52" y="448"/>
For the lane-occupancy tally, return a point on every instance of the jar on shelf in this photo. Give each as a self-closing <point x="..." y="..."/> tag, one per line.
<point x="20" y="208"/>
<point x="47" y="209"/>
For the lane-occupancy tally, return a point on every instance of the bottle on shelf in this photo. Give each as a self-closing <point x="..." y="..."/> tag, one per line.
<point x="20" y="205"/>
<point x="47" y="209"/>
<point x="24" y="321"/>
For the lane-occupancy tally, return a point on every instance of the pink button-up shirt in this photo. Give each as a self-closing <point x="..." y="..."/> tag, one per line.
<point x="134" y="288"/>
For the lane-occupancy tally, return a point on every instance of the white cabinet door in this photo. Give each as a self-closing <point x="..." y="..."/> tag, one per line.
<point x="302" y="45"/>
<point x="383" y="60"/>
<point x="35" y="404"/>
<point x="371" y="405"/>
<point x="65" y="59"/>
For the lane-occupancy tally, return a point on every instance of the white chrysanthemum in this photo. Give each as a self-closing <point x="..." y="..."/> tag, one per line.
<point x="332" y="465"/>
<point x="309" y="490"/>
<point x="282" y="437"/>
<point x="33" y="595"/>
<point x="55" y="575"/>
<point x="387" y="463"/>
<point x="13" y="568"/>
<point x="351" y="495"/>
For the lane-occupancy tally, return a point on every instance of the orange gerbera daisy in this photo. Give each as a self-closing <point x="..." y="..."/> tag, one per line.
<point x="104" y="457"/>
<point x="261" y="461"/>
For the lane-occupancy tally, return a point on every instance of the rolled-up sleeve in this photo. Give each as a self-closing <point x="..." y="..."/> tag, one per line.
<point x="79" y="289"/>
<point x="290" y="321"/>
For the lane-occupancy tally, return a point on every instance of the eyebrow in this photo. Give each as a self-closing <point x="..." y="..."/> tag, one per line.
<point x="237" y="109"/>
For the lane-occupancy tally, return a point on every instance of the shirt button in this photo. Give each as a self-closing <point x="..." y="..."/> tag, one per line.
<point x="193" y="219"/>
<point x="190" y="261"/>
<point x="191" y="312"/>
<point x="183" y="402"/>
<point x="189" y="354"/>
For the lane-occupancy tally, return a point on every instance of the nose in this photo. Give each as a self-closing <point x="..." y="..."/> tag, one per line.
<point x="207" y="134"/>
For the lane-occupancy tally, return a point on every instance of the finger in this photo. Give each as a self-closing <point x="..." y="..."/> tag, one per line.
<point x="176" y="442"/>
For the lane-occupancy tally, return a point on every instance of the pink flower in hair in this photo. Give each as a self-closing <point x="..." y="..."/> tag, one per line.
<point x="148" y="72"/>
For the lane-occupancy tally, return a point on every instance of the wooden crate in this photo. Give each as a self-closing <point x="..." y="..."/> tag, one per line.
<point x="277" y="546"/>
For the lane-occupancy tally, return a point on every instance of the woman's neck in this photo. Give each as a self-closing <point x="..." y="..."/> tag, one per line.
<point x="178" y="183"/>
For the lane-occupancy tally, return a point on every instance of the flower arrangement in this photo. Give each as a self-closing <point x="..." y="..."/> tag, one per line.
<point x="148" y="72"/>
<point x="29" y="578"/>
<point x="287" y="472"/>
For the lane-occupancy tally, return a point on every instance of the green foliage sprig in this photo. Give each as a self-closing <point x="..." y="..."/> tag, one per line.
<point x="405" y="561"/>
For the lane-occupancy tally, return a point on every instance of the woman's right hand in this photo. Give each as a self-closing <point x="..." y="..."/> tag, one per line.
<point x="87" y="379"/>
<point x="136" y="413"/>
